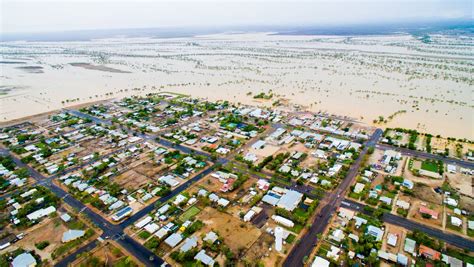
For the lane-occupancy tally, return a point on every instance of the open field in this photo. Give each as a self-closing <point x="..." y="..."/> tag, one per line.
<point x="236" y="235"/>
<point x="425" y="84"/>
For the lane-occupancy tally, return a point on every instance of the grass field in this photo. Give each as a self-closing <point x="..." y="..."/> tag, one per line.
<point x="429" y="166"/>
<point x="189" y="213"/>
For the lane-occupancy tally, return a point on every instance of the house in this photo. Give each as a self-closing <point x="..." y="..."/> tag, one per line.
<point x="173" y="240"/>
<point x="392" y="239"/>
<point x="402" y="259"/>
<point x="319" y="154"/>
<point x="409" y="245"/>
<point x="337" y="235"/>
<point x="453" y="262"/>
<point x="386" y="200"/>
<point x="284" y="169"/>
<point x="204" y="258"/>
<point x="169" y="180"/>
<point x="290" y="200"/>
<point x="375" y="232"/>
<point x="277" y="133"/>
<point x="346" y="213"/>
<point x="124" y="212"/>
<point x="429" y="253"/>
<point x="407" y="183"/>
<point x="250" y="157"/>
<point x="189" y="243"/>
<point x="163" y="209"/>
<point x="358" y="188"/>
<point x="24" y="260"/>
<point x="354" y="237"/>
<point x="451" y="168"/>
<point x="427" y="211"/>
<point x="320" y="262"/>
<point x="403" y="204"/>
<point x="143" y="222"/>
<point x="259" y="144"/>
<point x="333" y="253"/>
<point x="213" y="197"/>
<point x="359" y="221"/>
<point x="456" y="221"/>
<point x="40" y="213"/>
<point x="223" y="202"/>
<point x="65" y="217"/>
<point x="210" y="237"/>
<point x="152" y="228"/>
<point x="70" y="235"/>
<point x="263" y="184"/>
<point x="179" y="199"/>
<point x="451" y="202"/>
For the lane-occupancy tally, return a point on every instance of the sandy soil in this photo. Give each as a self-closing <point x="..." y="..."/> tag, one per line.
<point x="48" y="230"/>
<point x="235" y="233"/>
<point x="108" y="252"/>
<point x="371" y="75"/>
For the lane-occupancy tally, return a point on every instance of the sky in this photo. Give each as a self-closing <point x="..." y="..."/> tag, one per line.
<point x="33" y="16"/>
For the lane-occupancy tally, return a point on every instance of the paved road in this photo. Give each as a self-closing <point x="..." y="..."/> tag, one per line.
<point x="452" y="239"/>
<point x="425" y="155"/>
<point x="329" y="204"/>
<point x="110" y="230"/>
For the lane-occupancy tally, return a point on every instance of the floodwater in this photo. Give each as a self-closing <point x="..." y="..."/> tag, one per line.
<point x="429" y="87"/>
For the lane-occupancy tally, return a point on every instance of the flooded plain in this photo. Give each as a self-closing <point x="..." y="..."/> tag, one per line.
<point x="391" y="80"/>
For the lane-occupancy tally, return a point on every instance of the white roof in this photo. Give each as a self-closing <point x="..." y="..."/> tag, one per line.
<point x="143" y="222"/>
<point x="211" y="237"/>
<point x="189" y="243"/>
<point x="320" y="262"/>
<point x="24" y="260"/>
<point x="173" y="240"/>
<point x="65" y="217"/>
<point x="71" y="235"/>
<point x="290" y="200"/>
<point x="204" y="258"/>
<point x="259" y="144"/>
<point x="223" y="202"/>
<point x="41" y="213"/>
<point x="151" y="228"/>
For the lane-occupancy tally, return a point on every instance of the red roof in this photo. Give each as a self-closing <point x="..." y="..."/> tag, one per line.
<point x="425" y="210"/>
<point x="429" y="252"/>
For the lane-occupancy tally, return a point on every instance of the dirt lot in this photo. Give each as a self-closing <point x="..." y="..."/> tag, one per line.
<point x="149" y="169"/>
<point x="421" y="179"/>
<point x="467" y="203"/>
<point x="109" y="253"/>
<point x="50" y="230"/>
<point x="235" y="233"/>
<point x="131" y="180"/>
<point x="416" y="215"/>
<point x="462" y="182"/>
<point x="268" y="150"/>
<point x="400" y="232"/>
<point x="259" y="251"/>
<point x="426" y="193"/>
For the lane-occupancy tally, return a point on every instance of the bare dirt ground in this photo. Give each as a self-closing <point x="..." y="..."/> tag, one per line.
<point x="400" y="232"/>
<point x="415" y="215"/>
<point x="108" y="252"/>
<point x="50" y="230"/>
<point x="426" y="193"/>
<point x="462" y="182"/>
<point x="235" y="233"/>
<point x="131" y="180"/>
<point x="259" y="251"/>
<point x="420" y="179"/>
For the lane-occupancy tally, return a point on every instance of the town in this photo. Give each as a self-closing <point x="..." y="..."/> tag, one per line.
<point x="166" y="179"/>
